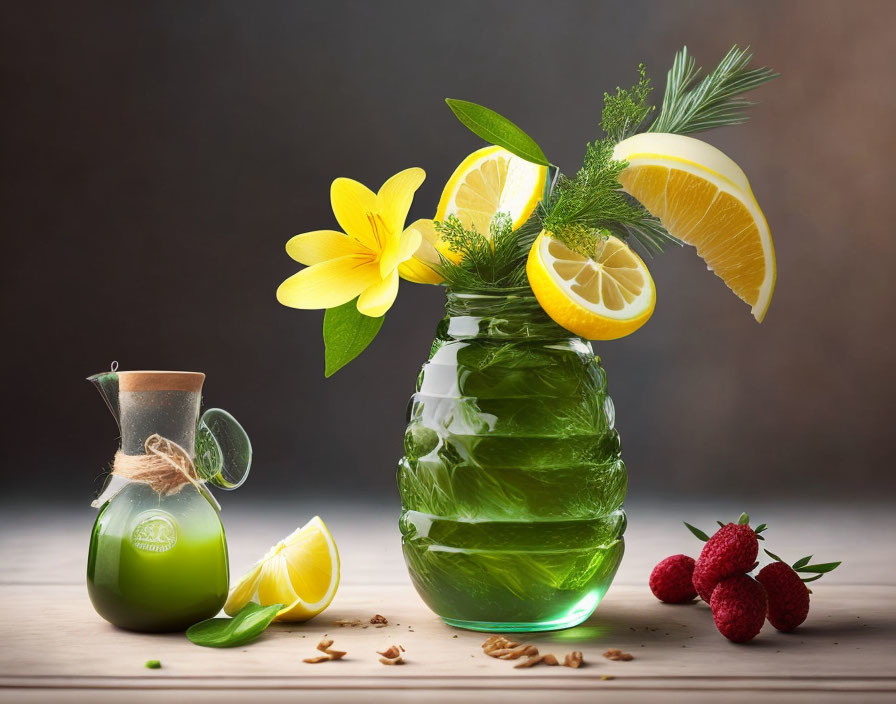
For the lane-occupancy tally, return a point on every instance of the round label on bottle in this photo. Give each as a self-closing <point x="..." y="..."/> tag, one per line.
<point x="154" y="533"/>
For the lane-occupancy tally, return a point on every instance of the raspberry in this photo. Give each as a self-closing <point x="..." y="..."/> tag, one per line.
<point x="672" y="580"/>
<point x="739" y="605"/>
<point x="788" y="597"/>
<point x="732" y="550"/>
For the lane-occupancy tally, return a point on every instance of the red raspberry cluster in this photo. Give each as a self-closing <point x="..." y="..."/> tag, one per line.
<point x="740" y="604"/>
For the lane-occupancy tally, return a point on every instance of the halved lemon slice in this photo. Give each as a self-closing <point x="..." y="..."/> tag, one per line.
<point x="703" y="198"/>
<point x="489" y="181"/>
<point x="605" y="297"/>
<point x="301" y="571"/>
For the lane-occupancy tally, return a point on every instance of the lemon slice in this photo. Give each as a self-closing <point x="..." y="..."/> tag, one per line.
<point x="301" y="571"/>
<point x="703" y="198"/>
<point x="489" y="181"/>
<point x="602" y="298"/>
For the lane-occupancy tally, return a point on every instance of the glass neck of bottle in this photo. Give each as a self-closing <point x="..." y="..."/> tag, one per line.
<point x="511" y="314"/>
<point x="171" y="414"/>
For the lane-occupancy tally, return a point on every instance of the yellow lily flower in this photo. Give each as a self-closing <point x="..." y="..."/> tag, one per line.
<point x="367" y="261"/>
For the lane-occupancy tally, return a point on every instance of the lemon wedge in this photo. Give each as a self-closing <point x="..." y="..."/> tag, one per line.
<point x="604" y="297"/>
<point x="489" y="181"/>
<point x="703" y="198"/>
<point x="301" y="571"/>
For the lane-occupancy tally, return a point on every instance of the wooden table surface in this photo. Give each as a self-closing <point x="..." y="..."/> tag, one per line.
<point x="53" y="647"/>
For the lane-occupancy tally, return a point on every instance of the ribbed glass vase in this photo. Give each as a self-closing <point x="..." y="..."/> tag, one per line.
<point x="512" y="481"/>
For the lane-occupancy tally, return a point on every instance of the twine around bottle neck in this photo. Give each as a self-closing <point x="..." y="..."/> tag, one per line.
<point x="166" y="466"/>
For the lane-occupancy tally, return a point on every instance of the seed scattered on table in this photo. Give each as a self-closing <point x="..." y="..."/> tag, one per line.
<point x="153" y="664"/>
<point x="391" y="656"/>
<point x="350" y="622"/>
<point x="617" y="654"/>
<point x="379" y="618"/>
<point x="574" y="659"/>
<point x="607" y="677"/>
<point x="502" y="648"/>
<point x="329" y="654"/>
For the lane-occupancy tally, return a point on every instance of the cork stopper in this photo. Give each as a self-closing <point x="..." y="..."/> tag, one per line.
<point x="160" y="381"/>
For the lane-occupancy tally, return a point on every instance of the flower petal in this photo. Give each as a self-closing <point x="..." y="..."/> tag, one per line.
<point x="329" y="284"/>
<point x="394" y="198"/>
<point x="398" y="250"/>
<point x="419" y="268"/>
<point x="379" y="297"/>
<point x="418" y="272"/>
<point x="353" y="205"/>
<point x="321" y="245"/>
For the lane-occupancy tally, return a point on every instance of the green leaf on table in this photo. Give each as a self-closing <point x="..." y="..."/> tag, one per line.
<point x="696" y="531"/>
<point x="247" y="625"/>
<point x="497" y="129"/>
<point x="347" y="332"/>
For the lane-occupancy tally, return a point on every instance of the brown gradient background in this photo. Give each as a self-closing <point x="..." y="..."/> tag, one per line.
<point x="157" y="156"/>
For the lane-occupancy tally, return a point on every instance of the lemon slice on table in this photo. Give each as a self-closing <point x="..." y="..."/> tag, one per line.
<point x="703" y="198"/>
<point x="607" y="296"/>
<point x="489" y="181"/>
<point x="301" y="572"/>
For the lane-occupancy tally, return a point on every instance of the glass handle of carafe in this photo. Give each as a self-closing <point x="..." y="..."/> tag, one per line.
<point x="223" y="450"/>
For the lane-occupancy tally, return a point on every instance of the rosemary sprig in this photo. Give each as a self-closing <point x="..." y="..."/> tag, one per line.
<point x="716" y="100"/>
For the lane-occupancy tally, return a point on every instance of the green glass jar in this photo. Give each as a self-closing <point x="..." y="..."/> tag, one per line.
<point x="512" y="482"/>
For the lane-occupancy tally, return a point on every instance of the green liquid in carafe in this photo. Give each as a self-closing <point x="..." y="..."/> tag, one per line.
<point x="156" y="562"/>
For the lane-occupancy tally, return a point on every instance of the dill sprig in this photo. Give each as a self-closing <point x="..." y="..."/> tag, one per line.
<point x="716" y="100"/>
<point x="582" y="209"/>
<point x="485" y="262"/>
<point x="625" y="112"/>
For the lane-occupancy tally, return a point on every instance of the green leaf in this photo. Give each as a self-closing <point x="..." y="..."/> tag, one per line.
<point x="721" y="525"/>
<point x="761" y="527"/>
<point x="247" y="625"/>
<point x="347" y="332"/>
<point x="743" y="520"/>
<point x="153" y="664"/>
<point x="773" y="556"/>
<point x="497" y="129"/>
<point x="812" y="579"/>
<point x="696" y="531"/>
<point x="802" y="562"/>
<point x="820" y="569"/>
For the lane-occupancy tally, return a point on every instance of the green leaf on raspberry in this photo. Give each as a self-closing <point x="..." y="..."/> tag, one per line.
<point x="812" y="579"/>
<point x="744" y="519"/>
<point x="773" y="556"/>
<point x="823" y="568"/>
<point x="721" y="525"/>
<point x="696" y="531"/>
<point x="802" y="562"/>
<point x="761" y="527"/>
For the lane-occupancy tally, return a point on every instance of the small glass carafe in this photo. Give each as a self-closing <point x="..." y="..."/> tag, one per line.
<point x="158" y="557"/>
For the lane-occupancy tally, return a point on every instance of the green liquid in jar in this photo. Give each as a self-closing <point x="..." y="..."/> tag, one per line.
<point x="512" y="482"/>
